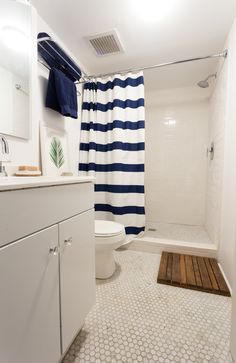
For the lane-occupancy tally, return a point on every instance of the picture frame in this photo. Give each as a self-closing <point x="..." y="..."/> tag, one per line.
<point x="54" y="150"/>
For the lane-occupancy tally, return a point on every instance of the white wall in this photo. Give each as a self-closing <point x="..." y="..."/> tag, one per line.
<point x="227" y="253"/>
<point x="27" y="151"/>
<point x="228" y="223"/>
<point x="221" y="183"/>
<point x="176" y="141"/>
<point x="221" y="178"/>
<point x="218" y="115"/>
<point x="52" y="118"/>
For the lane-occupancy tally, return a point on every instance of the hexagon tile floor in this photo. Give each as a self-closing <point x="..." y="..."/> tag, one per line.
<point x="137" y="320"/>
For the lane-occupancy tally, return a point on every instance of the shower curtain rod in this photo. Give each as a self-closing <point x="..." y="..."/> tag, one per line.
<point x="218" y="55"/>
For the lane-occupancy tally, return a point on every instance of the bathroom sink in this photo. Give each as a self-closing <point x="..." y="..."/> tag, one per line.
<point x="18" y="179"/>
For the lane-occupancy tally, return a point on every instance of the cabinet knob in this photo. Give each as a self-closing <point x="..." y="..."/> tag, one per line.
<point x="53" y="251"/>
<point x="68" y="241"/>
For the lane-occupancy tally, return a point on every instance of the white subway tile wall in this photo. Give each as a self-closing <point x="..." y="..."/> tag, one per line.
<point x="176" y="163"/>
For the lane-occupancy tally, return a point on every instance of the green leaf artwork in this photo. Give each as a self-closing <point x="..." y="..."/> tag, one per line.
<point x="56" y="152"/>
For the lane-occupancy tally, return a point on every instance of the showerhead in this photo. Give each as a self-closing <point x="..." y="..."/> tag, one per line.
<point x="204" y="83"/>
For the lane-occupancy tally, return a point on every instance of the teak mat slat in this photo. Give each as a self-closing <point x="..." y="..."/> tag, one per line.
<point x="192" y="272"/>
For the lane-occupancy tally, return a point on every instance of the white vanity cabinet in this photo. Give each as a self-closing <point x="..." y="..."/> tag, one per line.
<point x="47" y="268"/>
<point x="29" y="300"/>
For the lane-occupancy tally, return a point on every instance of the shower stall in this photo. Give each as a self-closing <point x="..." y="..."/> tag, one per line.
<point x="184" y="141"/>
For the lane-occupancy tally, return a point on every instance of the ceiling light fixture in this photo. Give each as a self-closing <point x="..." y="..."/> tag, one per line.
<point x="152" y="10"/>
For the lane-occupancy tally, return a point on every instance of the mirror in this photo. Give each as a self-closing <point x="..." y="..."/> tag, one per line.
<point x="15" y="56"/>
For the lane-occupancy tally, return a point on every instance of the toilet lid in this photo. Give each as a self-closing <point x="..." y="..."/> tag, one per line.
<point x="107" y="228"/>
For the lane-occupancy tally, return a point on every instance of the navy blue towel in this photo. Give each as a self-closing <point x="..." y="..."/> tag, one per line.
<point x="62" y="94"/>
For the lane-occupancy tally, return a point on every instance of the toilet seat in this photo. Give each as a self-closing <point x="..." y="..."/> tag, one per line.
<point x="108" y="228"/>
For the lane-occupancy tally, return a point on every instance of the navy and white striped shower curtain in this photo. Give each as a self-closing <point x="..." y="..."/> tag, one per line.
<point x="112" y="148"/>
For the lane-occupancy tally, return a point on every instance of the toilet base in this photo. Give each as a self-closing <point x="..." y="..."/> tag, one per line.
<point x="105" y="264"/>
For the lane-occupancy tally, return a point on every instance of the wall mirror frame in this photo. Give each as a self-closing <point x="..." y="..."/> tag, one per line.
<point x="17" y="52"/>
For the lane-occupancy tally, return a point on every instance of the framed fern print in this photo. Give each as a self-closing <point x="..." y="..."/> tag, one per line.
<point x="57" y="152"/>
<point x="54" y="151"/>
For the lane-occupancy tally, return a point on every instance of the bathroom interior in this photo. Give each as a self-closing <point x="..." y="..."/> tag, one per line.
<point x="117" y="181"/>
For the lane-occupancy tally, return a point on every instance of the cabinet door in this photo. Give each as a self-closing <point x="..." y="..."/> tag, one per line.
<point x="29" y="300"/>
<point x="77" y="273"/>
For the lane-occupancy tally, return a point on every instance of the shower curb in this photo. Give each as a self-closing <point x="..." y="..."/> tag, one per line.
<point x="156" y="245"/>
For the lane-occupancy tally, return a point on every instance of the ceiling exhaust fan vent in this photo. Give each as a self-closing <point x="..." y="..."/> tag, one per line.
<point x="106" y="43"/>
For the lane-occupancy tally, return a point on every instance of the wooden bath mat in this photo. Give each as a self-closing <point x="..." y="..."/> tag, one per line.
<point x="192" y="272"/>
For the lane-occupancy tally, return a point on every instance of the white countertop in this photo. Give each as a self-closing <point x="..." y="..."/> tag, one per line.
<point x="14" y="182"/>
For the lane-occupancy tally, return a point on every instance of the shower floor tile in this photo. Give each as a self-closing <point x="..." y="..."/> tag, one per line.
<point x="137" y="320"/>
<point x="179" y="232"/>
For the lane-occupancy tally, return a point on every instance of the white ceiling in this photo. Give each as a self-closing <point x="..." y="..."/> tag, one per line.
<point x="191" y="28"/>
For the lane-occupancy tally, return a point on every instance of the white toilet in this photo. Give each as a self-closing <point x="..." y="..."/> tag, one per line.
<point x="108" y="236"/>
